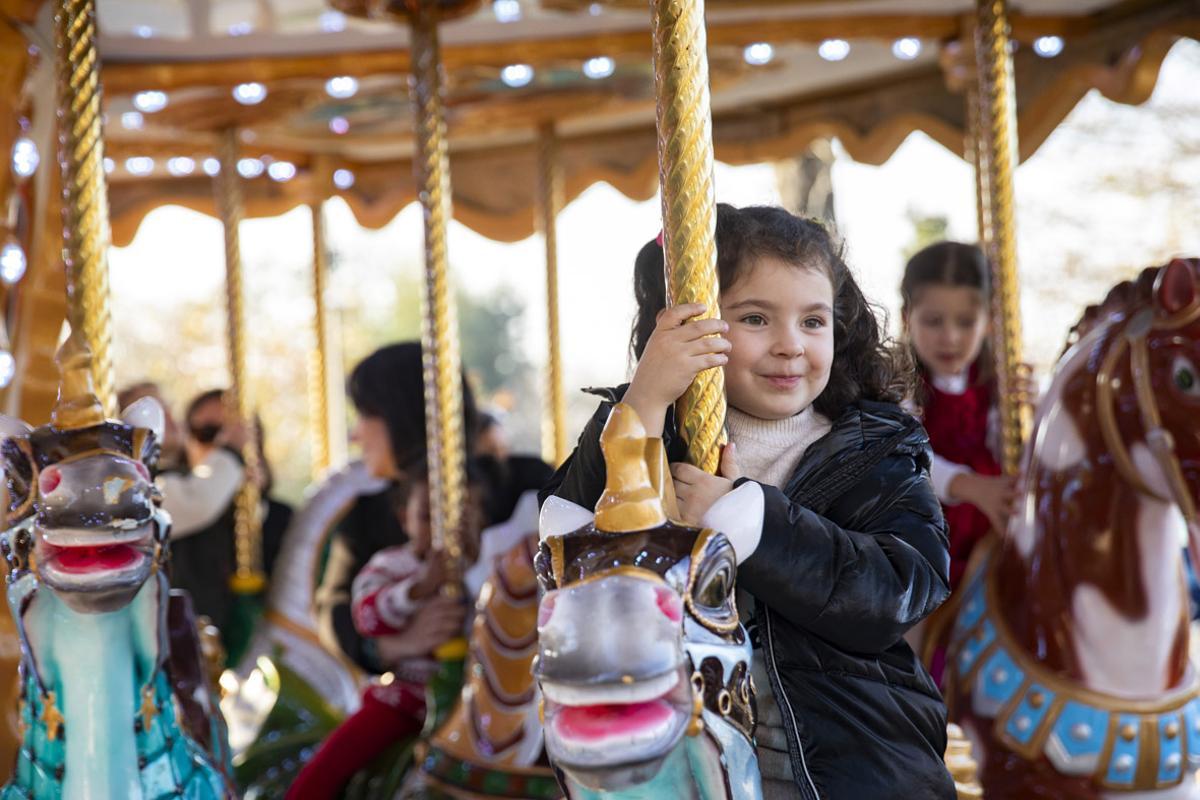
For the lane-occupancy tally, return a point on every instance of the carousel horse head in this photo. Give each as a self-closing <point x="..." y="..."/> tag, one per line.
<point x="1069" y="658"/>
<point x="642" y="661"/>
<point x="80" y="492"/>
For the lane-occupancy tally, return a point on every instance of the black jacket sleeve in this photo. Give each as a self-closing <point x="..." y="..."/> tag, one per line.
<point x="333" y="601"/>
<point x="858" y="589"/>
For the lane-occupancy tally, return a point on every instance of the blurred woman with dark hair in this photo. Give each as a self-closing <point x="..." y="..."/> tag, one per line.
<point x="387" y="390"/>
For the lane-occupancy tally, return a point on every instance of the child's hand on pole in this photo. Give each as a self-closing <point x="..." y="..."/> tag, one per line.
<point x="696" y="490"/>
<point x="679" y="349"/>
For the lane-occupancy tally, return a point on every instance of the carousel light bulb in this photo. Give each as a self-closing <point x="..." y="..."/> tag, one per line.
<point x="132" y="120"/>
<point x="341" y="87"/>
<point x="181" y="165"/>
<point x="250" y="167"/>
<point x="149" y="102"/>
<point x="109" y="165"/>
<point x="211" y="167"/>
<point x="506" y="10"/>
<point x="599" y="67"/>
<point x="143" y="32"/>
<point x="516" y="75"/>
<point x="281" y="171"/>
<point x="758" y="54"/>
<point x="25" y="158"/>
<point x="595" y="9"/>
<point x="833" y="49"/>
<point x="1048" y="46"/>
<point x="339" y="125"/>
<point x="8" y="368"/>
<point x="332" y="21"/>
<point x="250" y="94"/>
<point x="906" y="49"/>
<point x="139" y="165"/>
<point x="12" y="262"/>
<point x="343" y="178"/>
<point x="241" y="29"/>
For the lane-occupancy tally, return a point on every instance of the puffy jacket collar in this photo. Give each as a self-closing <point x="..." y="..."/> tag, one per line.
<point x="865" y="433"/>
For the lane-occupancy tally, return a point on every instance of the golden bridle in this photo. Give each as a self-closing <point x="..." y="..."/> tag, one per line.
<point x="1158" y="438"/>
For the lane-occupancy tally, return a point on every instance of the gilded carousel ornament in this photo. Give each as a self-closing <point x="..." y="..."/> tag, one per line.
<point x="108" y="708"/>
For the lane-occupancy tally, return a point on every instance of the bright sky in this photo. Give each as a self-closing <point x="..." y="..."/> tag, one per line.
<point x="1074" y="241"/>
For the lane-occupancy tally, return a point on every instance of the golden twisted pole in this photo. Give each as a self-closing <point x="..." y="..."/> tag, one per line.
<point x="550" y="197"/>
<point x="445" y="438"/>
<point x="999" y="138"/>
<point x="978" y="158"/>
<point x="85" y="195"/>
<point x="685" y="160"/>
<point x="248" y="575"/>
<point x="318" y="373"/>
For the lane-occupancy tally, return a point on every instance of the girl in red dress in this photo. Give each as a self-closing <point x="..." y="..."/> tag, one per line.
<point x="946" y="296"/>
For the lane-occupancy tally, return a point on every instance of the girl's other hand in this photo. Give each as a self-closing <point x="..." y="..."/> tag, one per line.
<point x="994" y="496"/>
<point x="678" y="350"/>
<point x="434" y="624"/>
<point x="696" y="490"/>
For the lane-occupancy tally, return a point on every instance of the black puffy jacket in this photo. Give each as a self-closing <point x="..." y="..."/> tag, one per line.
<point x="853" y="554"/>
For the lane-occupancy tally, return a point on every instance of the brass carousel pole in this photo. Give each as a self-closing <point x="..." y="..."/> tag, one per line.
<point x="550" y="197"/>
<point x="685" y="159"/>
<point x="248" y="576"/>
<point x="999" y="140"/>
<point x="318" y="386"/>
<point x="439" y="323"/>
<point x="977" y="157"/>
<point x="85" y="196"/>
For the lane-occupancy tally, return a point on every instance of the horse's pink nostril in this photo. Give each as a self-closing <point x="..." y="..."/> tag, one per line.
<point x="49" y="480"/>
<point x="669" y="603"/>
<point x="142" y="470"/>
<point x="546" y="608"/>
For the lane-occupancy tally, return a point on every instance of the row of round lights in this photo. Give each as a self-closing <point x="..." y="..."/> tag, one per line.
<point x="182" y="166"/>
<point x="13" y="261"/>
<point x="905" y="49"/>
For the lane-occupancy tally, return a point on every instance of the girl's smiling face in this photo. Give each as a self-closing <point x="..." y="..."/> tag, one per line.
<point x="780" y="319"/>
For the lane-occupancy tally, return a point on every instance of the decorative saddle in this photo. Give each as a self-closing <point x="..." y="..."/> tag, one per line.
<point x="1121" y="744"/>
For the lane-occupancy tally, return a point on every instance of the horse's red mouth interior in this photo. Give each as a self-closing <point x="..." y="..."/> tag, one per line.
<point x="100" y="558"/>
<point x="602" y="721"/>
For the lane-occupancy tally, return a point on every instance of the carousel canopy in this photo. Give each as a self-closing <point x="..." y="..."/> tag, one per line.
<point x="321" y="103"/>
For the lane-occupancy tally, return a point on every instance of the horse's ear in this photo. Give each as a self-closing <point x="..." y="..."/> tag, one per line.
<point x="1175" y="288"/>
<point x="148" y="413"/>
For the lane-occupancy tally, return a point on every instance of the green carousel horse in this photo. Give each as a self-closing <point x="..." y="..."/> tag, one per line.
<point x="86" y="543"/>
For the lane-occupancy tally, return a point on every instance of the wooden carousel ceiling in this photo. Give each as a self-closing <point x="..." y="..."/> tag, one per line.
<point x="324" y="107"/>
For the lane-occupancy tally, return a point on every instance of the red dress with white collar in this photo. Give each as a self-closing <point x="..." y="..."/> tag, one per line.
<point x="958" y="432"/>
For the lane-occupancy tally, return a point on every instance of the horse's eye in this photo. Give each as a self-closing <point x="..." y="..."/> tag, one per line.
<point x="1184" y="376"/>
<point x="714" y="592"/>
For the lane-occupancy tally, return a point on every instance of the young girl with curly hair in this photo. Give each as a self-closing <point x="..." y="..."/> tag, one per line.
<point x="851" y="551"/>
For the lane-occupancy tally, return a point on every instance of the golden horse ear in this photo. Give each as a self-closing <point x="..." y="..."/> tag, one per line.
<point x="1175" y="287"/>
<point x="630" y="501"/>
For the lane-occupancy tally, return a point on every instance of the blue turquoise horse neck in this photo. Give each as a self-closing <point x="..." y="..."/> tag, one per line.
<point x="96" y="706"/>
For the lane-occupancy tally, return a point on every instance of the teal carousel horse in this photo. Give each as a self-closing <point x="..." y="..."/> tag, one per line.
<point x="86" y="543"/>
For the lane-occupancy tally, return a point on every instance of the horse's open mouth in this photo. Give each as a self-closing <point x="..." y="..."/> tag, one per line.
<point x="593" y="727"/>
<point x="79" y="559"/>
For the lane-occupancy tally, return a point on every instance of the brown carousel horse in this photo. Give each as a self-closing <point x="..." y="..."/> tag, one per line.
<point x="1068" y="661"/>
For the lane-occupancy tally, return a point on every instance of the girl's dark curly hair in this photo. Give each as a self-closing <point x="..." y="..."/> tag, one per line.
<point x="864" y="366"/>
